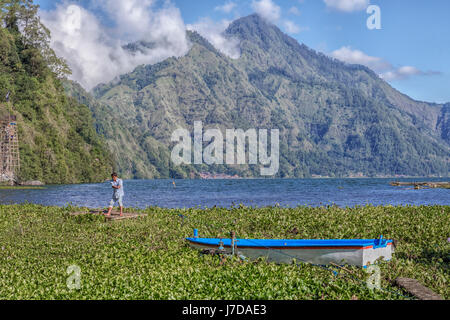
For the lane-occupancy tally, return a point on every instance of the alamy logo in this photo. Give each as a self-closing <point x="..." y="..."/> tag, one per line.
<point x="374" y="280"/>
<point x="374" y="21"/>
<point x="74" y="280"/>
<point x="236" y="148"/>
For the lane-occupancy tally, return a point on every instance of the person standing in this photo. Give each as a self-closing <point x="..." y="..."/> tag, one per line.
<point x="117" y="185"/>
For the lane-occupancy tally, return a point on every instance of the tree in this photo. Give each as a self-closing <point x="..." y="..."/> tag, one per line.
<point x="8" y="14"/>
<point x="21" y="16"/>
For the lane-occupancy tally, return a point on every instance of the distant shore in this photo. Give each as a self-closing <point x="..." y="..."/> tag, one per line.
<point x="220" y="176"/>
<point x="21" y="188"/>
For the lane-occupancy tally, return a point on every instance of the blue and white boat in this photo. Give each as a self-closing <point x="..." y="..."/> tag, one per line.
<point x="358" y="252"/>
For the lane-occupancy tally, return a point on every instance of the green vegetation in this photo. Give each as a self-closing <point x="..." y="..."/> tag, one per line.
<point x="148" y="258"/>
<point x="335" y="119"/>
<point x="58" y="141"/>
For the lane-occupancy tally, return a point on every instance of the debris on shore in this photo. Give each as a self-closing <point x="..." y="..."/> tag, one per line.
<point x="422" y="185"/>
<point x="31" y="184"/>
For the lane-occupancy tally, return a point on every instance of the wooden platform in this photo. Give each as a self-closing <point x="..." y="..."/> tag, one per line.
<point x="126" y="216"/>
<point x="415" y="288"/>
<point x="115" y="216"/>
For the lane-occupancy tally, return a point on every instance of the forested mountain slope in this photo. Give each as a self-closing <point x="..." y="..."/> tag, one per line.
<point x="335" y="119"/>
<point x="58" y="141"/>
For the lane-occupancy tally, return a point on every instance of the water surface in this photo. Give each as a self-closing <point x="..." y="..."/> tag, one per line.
<point x="226" y="193"/>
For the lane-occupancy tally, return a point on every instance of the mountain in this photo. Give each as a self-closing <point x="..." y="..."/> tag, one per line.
<point x="444" y="123"/>
<point x="58" y="140"/>
<point x="335" y="119"/>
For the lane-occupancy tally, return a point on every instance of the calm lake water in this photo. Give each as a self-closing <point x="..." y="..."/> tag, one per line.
<point x="225" y="193"/>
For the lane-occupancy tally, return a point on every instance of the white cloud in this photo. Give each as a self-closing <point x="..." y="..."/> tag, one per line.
<point x="227" y="7"/>
<point x="133" y="16"/>
<point x="385" y="69"/>
<point x="295" y="11"/>
<point x="270" y="11"/>
<point x="291" y="27"/>
<point x="267" y="9"/>
<point x="348" y="5"/>
<point x="347" y="54"/>
<point x="406" y="72"/>
<point x="214" y="33"/>
<point x="400" y="73"/>
<point x="95" y="53"/>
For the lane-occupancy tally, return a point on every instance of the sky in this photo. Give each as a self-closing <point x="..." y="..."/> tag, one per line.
<point x="411" y="49"/>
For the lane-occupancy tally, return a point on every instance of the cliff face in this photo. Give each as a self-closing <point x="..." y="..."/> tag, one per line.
<point x="443" y="124"/>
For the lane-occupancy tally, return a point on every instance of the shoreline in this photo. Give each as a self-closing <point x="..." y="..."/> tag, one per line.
<point x="22" y="188"/>
<point x="395" y="179"/>
<point x="231" y="208"/>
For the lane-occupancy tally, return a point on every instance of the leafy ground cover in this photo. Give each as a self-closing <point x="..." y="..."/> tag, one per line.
<point x="148" y="258"/>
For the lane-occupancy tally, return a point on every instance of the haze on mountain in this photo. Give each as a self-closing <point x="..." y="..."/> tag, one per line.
<point x="335" y="119"/>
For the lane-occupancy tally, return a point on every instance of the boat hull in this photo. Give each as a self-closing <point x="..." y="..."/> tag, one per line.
<point x="361" y="256"/>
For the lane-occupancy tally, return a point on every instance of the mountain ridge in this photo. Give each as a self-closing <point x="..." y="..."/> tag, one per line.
<point x="255" y="20"/>
<point x="335" y="119"/>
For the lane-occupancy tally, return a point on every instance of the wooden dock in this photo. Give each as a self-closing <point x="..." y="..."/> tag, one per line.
<point x="415" y="288"/>
<point x="422" y="185"/>
<point x="115" y="216"/>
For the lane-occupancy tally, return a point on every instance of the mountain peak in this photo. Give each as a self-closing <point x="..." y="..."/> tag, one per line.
<point x="253" y="27"/>
<point x="253" y="19"/>
<point x="260" y="32"/>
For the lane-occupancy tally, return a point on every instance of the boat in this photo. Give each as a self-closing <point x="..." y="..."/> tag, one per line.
<point x="358" y="252"/>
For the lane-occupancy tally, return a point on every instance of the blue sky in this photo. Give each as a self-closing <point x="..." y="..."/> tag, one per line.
<point x="411" y="50"/>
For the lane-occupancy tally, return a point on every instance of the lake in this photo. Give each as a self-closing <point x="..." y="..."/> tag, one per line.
<point x="226" y="193"/>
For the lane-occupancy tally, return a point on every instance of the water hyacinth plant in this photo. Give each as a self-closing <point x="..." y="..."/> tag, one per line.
<point x="148" y="258"/>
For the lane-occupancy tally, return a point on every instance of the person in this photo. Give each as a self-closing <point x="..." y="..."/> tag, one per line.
<point x="117" y="185"/>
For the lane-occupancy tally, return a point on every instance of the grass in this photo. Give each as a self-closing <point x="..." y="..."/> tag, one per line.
<point x="148" y="258"/>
